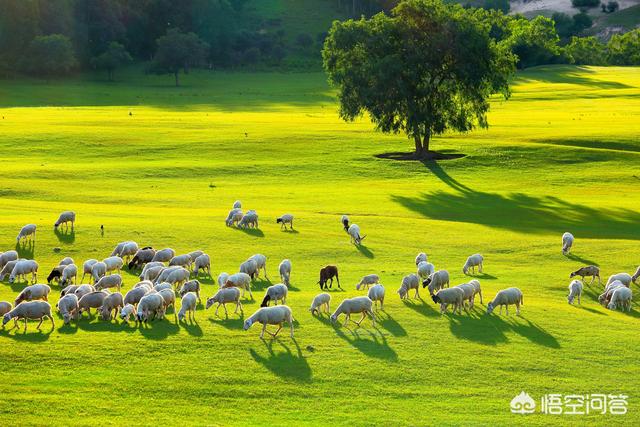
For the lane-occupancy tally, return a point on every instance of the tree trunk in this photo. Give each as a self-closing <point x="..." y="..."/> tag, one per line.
<point x="177" y="82"/>
<point x="425" y="141"/>
<point x="419" y="147"/>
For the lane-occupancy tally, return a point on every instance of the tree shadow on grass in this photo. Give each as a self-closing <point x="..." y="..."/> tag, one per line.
<point x="390" y="324"/>
<point x="376" y="347"/>
<point x="365" y="251"/>
<point x="65" y="236"/>
<point x="590" y="310"/>
<point x="421" y="306"/>
<point x="567" y="75"/>
<point x="285" y="364"/>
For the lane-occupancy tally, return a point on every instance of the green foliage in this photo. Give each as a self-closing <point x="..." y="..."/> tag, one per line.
<point x="425" y="69"/>
<point x="586" y="51"/>
<point x="501" y="5"/>
<point x="50" y="56"/>
<point x="304" y="40"/>
<point x="534" y="42"/>
<point x="581" y="22"/>
<point x="113" y="58"/>
<point x="571" y="26"/>
<point x="624" y="49"/>
<point x="585" y="3"/>
<point x="178" y="51"/>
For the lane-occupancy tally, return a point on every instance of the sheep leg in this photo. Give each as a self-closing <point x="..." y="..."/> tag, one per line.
<point x="291" y="326"/>
<point x="579" y="299"/>
<point x="501" y="311"/>
<point x="53" y="324"/>
<point x="507" y="308"/>
<point x="278" y="330"/>
<point x="417" y="294"/>
<point x="338" y="279"/>
<point x="517" y="309"/>
<point x="217" y="307"/>
<point x="346" y="320"/>
<point x="264" y="328"/>
<point x="226" y="314"/>
<point x="25" y="324"/>
<point x="361" y="319"/>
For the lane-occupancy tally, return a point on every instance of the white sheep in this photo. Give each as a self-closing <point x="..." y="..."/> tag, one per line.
<point x="113" y="281"/>
<point x="505" y="298"/>
<point x="275" y="293"/>
<point x="202" y="262"/>
<point x="621" y="297"/>
<point x="169" y="298"/>
<point x="150" y="265"/>
<point x="354" y="233"/>
<point x="164" y="255"/>
<point x="320" y="301"/>
<point x="181" y="261"/>
<point x="5" y="307"/>
<point x="22" y="268"/>
<point x="178" y="277"/>
<point x="152" y="273"/>
<point x="567" y="242"/>
<point x="249" y="220"/>
<point x="86" y="268"/>
<point x="29" y="310"/>
<point x="469" y="291"/>
<point x="368" y="280"/>
<point x="5" y="257"/>
<point x="98" y="270"/>
<point x="285" y="271"/>
<point x="376" y="293"/>
<point x="605" y="297"/>
<point x="349" y="306"/>
<point x="82" y="290"/>
<point x="68" y="307"/>
<point x="65" y="218"/>
<point x="110" y="306"/>
<point x="27" y="232"/>
<point x="575" y="290"/>
<point x="439" y="279"/>
<point x="239" y="280"/>
<point x="127" y="311"/>
<point x="71" y="289"/>
<point x="149" y="304"/>
<point x="222" y="279"/>
<point x="224" y="296"/>
<point x="284" y="220"/>
<point x="7" y="269"/>
<point x="190" y="286"/>
<point x="276" y="315"/>
<point x="162" y="286"/>
<point x="234" y="217"/>
<point x="477" y="291"/>
<point x="425" y="269"/>
<point x="113" y="263"/>
<point x="195" y="254"/>
<point x="162" y="277"/>
<point x="237" y="204"/>
<point x="261" y="262"/>
<point x="451" y="296"/>
<point x="66" y="261"/>
<point x="625" y="278"/>
<point x="249" y="267"/>
<point x="134" y="295"/>
<point x="473" y="261"/>
<point x="421" y="257"/>
<point x="91" y="300"/>
<point x="69" y="274"/>
<point x="409" y="282"/>
<point x="188" y="306"/>
<point x="129" y="250"/>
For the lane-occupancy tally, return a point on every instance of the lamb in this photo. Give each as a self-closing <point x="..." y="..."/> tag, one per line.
<point x="249" y="267"/>
<point x="635" y="275"/>
<point x="22" y="268"/>
<point x="368" y="280"/>
<point x="127" y="311"/>
<point x="271" y="316"/>
<point x="320" y="301"/>
<point x="249" y="220"/>
<point x="284" y="220"/>
<point x="68" y="307"/>
<point x="181" y="261"/>
<point x="422" y="257"/>
<point x="261" y="262"/>
<point x="237" y="204"/>
<point x="239" y="280"/>
<point x="476" y="291"/>
<point x="625" y="278"/>
<point x="164" y="255"/>
<point x="69" y="274"/>
<point x="98" y="270"/>
<point x="472" y="262"/>
<point x="65" y="218"/>
<point x="27" y="232"/>
<point x="589" y="270"/>
<point x="275" y="293"/>
<point x="505" y="298"/>
<point x="134" y="295"/>
<point x="82" y="290"/>
<point x="113" y="263"/>
<point x="8" y="256"/>
<point x="234" y="217"/>
<point x="178" y="276"/>
<point x="169" y="298"/>
<point x="190" y="286"/>
<point x="71" y="289"/>
<point x="425" y="269"/>
<point x="438" y="280"/>
<point x="567" y="242"/>
<point x="142" y="257"/>
<point x="224" y="296"/>
<point x="29" y="310"/>
<point x="222" y="279"/>
<point x="452" y="296"/>
<point x="285" y="272"/>
<point x="376" y="293"/>
<point x="354" y="232"/>
<point x="411" y="281"/>
<point x="202" y="262"/>
<point x="621" y="297"/>
<point x="86" y="268"/>
<point x="66" y="261"/>
<point x="113" y="281"/>
<point x="345" y="222"/>
<point x="5" y="307"/>
<point x="354" y="305"/>
<point x="56" y="273"/>
<point x="188" y="307"/>
<point x="327" y="274"/>
<point x="91" y="300"/>
<point x="575" y="290"/>
<point x="7" y="269"/>
<point x="110" y="306"/>
<point x="151" y="304"/>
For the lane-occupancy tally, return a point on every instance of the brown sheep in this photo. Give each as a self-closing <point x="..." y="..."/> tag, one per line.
<point x="327" y="274"/>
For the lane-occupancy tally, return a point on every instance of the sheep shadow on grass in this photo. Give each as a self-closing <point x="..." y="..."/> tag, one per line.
<point x="26" y="250"/>
<point x="420" y="306"/>
<point x="192" y="328"/>
<point x="581" y="260"/>
<point x="31" y="334"/>
<point x="66" y="236"/>
<point x="95" y="324"/>
<point x="158" y="329"/>
<point x="376" y="347"/>
<point x="255" y="232"/>
<point x="260" y="284"/>
<point x="388" y="323"/>
<point x="232" y="323"/>
<point x="285" y="364"/>
<point x="365" y="251"/>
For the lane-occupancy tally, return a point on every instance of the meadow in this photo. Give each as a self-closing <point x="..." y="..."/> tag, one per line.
<point x="162" y="166"/>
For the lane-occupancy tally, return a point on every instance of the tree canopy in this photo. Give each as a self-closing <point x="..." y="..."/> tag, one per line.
<point x="50" y="55"/>
<point x="113" y="58"/>
<point x="426" y="68"/>
<point x="178" y="51"/>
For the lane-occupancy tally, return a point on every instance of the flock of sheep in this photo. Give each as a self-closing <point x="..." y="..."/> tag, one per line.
<point x="165" y="275"/>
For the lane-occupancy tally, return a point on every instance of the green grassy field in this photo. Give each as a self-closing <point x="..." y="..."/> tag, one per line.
<point x="561" y="155"/>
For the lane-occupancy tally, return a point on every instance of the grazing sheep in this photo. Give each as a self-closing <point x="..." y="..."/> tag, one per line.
<point x="65" y="218"/>
<point x="261" y="262"/>
<point x="82" y="290"/>
<point x="203" y="262"/>
<point x="113" y="281"/>
<point x="181" y="261"/>
<point x="237" y="204"/>
<point x="589" y="270"/>
<point x="635" y="275"/>
<point x="129" y="250"/>
<point x="625" y="278"/>
<point x="134" y="295"/>
<point x="56" y="273"/>
<point x="224" y="296"/>
<point x="472" y="262"/>
<point x="349" y="306"/>
<point x="476" y="291"/>
<point x="320" y="301"/>
<point x="144" y="284"/>
<point x="275" y="293"/>
<point x="437" y="280"/>
<point x="152" y="273"/>
<point x="68" y="307"/>
<point x="92" y="300"/>
<point x="622" y="297"/>
<point x="425" y="269"/>
<point x="354" y="232"/>
<point x="285" y="272"/>
<point x="249" y="267"/>
<point x="284" y="220"/>
<point x="164" y="255"/>
<point x="22" y="268"/>
<point x="5" y="307"/>
<point x="150" y="265"/>
<point x="142" y="257"/>
<point x="411" y="281"/>
<point x="239" y="280"/>
<point x="113" y="263"/>
<point x="8" y="256"/>
<point x="169" y="298"/>
<point x="222" y="279"/>
<point x="110" y="306"/>
<point x="29" y="310"/>
<point x="127" y="311"/>
<point x="376" y="293"/>
<point x="368" y="280"/>
<point x="86" y="268"/>
<point x="71" y="289"/>
<point x="469" y="291"/>
<point x="188" y="306"/>
<point x="249" y="220"/>
<point x="98" y="270"/>
<point x="162" y="286"/>
<point x="421" y="257"/>
<point x="162" y="277"/>
<point x="151" y="304"/>
<point x="271" y="316"/>
<point x="66" y="261"/>
<point x="575" y="290"/>
<point x="567" y="242"/>
<point x="27" y="232"/>
<point x="195" y="254"/>
<point x="605" y="297"/>
<point x="345" y="222"/>
<point x="234" y="217"/>
<point x="190" y="286"/>
<point x="178" y="276"/>
<point x="505" y="298"/>
<point x="33" y="292"/>
<point x="452" y="296"/>
<point x="118" y="249"/>
<point x="69" y="274"/>
<point x="327" y="274"/>
<point x="7" y="269"/>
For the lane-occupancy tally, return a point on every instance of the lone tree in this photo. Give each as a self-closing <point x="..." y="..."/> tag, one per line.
<point x="426" y="68"/>
<point x="50" y="56"/>
<point x="113" y="58"/>
<point x="178" y="51"/>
